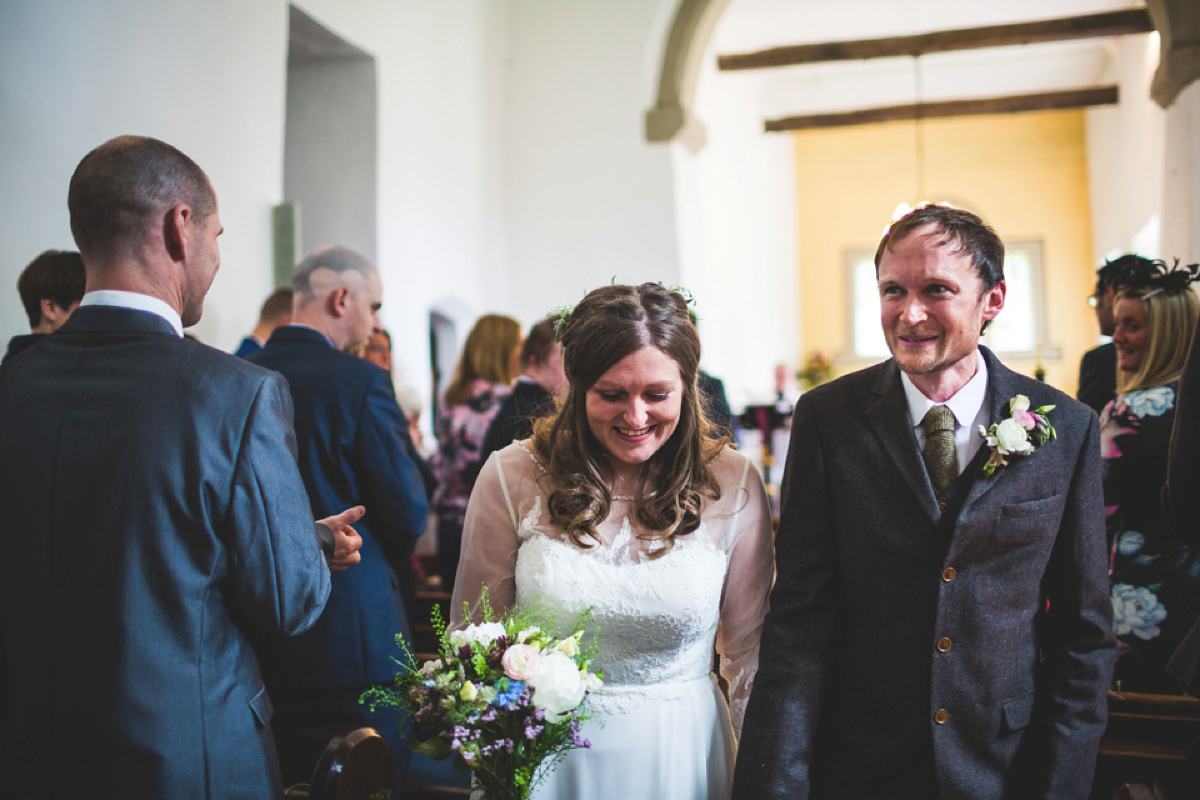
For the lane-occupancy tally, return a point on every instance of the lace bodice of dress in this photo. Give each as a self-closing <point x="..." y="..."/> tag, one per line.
<point x="656" y="618"/>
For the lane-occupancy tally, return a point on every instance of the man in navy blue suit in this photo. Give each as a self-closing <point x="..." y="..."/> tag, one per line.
<point x="354" y="448"/>
<point x="156" y="522"/>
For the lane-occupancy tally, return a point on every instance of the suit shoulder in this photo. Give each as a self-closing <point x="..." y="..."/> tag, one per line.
<point x="227" y="365"/>
<point x="1043" y="394"/>
<point x="847" y="389"/>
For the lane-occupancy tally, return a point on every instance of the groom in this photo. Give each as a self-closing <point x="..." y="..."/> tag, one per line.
<point x="934" y="632"/>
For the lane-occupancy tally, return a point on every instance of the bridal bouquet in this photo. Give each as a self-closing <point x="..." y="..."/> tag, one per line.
<point x="505" y="699"/>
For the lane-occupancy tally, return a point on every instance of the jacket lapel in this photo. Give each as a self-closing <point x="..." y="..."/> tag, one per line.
<point x="1000" y="390"/>
<point x="889" y="418"/>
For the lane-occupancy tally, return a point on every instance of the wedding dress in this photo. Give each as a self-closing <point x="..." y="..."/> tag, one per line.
<point x="663" y="730"/>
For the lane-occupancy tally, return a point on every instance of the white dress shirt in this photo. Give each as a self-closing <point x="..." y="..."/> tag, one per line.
<point x="967" y="406"/>
<point x="135" y="301"/>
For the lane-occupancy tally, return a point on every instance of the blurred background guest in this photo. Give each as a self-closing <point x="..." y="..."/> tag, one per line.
<point x="1098" y="367"/>
<point x="1155" y="577"/>
<point x="50" y="288"/>
<point x="542" y="377"/>
<point x="276" y="312"/>
<point x="481" y="381"/>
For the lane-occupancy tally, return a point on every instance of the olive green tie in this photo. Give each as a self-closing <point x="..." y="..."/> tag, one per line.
<point x="940" y="456"/>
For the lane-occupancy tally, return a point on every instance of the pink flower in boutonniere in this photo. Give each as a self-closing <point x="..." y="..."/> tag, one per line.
<point x="1023" y="432"/>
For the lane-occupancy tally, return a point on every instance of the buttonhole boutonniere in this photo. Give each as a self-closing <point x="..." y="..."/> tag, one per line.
<point x="1023" y="432"/>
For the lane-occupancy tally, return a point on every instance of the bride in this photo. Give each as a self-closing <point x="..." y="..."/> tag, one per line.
<point x="624" y="503"/>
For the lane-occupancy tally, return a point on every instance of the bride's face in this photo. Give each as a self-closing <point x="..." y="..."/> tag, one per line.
<point x="633" y="408"/>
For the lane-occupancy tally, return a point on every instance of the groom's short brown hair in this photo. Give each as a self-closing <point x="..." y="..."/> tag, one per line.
<point x="965" y="231"/>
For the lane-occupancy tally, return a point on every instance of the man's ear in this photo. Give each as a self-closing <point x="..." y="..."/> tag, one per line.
<point x="50" y="310"/>
<point x="993" y="300"/>
<point x="175" y="231"/>
<point x="338" y="299"/>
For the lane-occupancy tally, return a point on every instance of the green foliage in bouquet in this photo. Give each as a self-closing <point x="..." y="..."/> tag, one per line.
<point x="504" y="699"/>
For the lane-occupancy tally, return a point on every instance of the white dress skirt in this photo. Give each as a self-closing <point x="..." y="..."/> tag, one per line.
<point x="663" y="729"/>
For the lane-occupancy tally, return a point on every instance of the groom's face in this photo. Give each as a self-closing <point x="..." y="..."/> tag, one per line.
<point x="933" y="304"/>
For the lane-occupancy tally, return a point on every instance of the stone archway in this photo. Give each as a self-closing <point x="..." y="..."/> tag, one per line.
<point x="1177" y="21"/>
<point x="672" y="117"/>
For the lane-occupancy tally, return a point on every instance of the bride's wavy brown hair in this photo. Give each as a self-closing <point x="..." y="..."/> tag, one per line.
<point x="607" y="325"/>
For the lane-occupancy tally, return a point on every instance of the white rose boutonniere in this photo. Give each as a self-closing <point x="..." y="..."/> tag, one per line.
<point x="1023" y="432"/>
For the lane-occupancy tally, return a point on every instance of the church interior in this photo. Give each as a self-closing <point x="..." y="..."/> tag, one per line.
<point x="508" y="156"/>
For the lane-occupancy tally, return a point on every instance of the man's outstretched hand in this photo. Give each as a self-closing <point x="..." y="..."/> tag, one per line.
<point x="346" y="540"/>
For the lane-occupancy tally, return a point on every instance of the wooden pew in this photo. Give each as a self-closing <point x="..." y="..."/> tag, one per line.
<point x="1146" y="743"/>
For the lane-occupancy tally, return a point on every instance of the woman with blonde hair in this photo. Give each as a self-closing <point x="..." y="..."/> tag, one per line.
<point x="1155" y="578"/>
<point x="623" y="503"/>
<point x="483" y="378"/>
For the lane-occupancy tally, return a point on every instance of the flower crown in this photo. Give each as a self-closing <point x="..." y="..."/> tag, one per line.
<point x="1161" y="278"/>
<point x="562" y="314"/>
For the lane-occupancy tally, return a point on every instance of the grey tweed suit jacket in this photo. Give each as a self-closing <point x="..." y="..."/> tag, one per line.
<point x="154" y="520"/>
<point x="915" y="651"/>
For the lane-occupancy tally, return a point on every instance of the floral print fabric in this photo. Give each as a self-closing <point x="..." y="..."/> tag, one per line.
<point x="460" y="430"/>
<point x="1155" y="578"/>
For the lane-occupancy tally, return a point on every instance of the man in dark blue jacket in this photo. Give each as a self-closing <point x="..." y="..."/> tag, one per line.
<point x="353" y="443"/>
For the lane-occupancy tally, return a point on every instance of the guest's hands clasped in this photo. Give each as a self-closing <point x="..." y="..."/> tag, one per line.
<point x="346" y="541"/>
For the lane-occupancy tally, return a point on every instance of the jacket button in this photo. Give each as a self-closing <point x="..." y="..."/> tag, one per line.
<point x="940" y="716"/>
<point x="944" y="644"/>
<point x="941" y="506"/>
<point x="949" y="574"/>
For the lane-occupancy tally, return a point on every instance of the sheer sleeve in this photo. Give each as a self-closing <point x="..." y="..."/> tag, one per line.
<point x="750" y="544"/>
<point x="489" y="546"/>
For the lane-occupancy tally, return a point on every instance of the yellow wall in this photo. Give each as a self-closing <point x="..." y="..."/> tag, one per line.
<point x="1025" y="174"/>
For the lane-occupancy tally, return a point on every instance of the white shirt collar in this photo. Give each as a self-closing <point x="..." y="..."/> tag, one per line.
<point x="965" y="403"/>
<point x="135" y="301"/>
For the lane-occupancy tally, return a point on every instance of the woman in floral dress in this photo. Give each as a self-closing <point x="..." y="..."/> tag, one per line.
<point x="1155" y="578"/>
<point x="483" y="378"/>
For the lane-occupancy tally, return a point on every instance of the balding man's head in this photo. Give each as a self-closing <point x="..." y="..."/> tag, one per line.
<point x="338" y="292"/>
<point x="121" y="189"/>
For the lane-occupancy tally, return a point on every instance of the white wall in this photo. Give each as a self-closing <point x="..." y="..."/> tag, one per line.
<point x="74" y="74"/>
<point x="738" y="197"/>
<point x="1126" y="155"/>
<point x="586" y="198"/>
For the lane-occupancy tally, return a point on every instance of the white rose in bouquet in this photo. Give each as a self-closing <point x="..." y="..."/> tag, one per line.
<point x="557" y="687"/>
<point x="484" y="633"/>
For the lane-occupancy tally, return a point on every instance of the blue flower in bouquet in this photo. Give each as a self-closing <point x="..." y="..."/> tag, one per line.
<point x="1152" y="402"/>
<point x="508" y="692"/>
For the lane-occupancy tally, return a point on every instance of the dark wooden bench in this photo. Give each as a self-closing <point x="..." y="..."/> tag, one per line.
<point x="1147" y="742"/>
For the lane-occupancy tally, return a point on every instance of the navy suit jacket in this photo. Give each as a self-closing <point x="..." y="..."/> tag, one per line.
<point x="354" y="450"/>
<point x="1098" y="377"/>
<point x="919" y="650"/>
<point x="154" y="520"/>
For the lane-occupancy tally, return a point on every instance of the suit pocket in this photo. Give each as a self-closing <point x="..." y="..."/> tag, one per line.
<point x="1031" y="508"/>
<point x="1016" y="712"/>
<point x="260" y="704"/>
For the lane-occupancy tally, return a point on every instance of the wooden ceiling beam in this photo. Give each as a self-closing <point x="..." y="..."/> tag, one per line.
<point x="1110" y="23"/>
<point x="1044" y="101"/>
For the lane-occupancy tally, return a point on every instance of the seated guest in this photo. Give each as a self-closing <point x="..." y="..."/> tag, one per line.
<point x="1098" y="367"/>
<point x="276" y="312"/>
<point x="1155" y="577"/>
<point x="541" y="378"/>
<point x="50" y="288"/>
